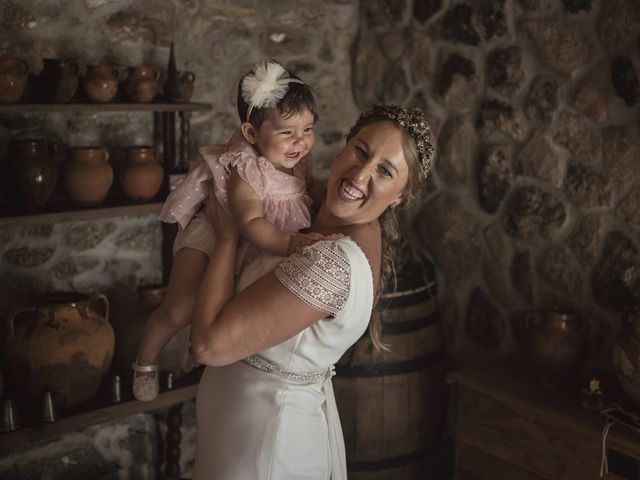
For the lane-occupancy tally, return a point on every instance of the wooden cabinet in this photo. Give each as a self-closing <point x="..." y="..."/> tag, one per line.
<point x="511" y="427"/>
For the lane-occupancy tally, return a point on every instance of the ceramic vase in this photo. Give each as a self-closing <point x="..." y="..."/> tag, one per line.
<point x="142" y="84"/>
<point x="87" y="176"/>
<point x="141" y="174"/>
<point x="555" y="343"/>
<point x="13" y="79"/>
<point x="31" y="173"/>
<point x="100" y="83"/>
<point x="63" y="343"/>
<point x="58" y="80"/>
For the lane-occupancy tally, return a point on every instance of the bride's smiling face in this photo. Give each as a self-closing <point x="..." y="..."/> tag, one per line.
<point x="369" y="175"/>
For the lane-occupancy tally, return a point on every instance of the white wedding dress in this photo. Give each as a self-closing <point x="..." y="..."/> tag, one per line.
<point x="273" y="416"/>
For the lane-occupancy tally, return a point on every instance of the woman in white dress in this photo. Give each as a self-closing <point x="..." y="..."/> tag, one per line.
<point x="265" y="404"/>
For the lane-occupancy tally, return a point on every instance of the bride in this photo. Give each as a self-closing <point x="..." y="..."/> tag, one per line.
<point x="265" y="406"/>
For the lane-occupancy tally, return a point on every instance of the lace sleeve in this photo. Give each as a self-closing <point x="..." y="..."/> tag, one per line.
<point x="321" y="276"/>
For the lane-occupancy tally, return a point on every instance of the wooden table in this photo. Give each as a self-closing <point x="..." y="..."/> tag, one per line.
<point x="511" y="427"/>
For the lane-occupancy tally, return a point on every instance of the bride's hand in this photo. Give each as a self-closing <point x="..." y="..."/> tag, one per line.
<point x="223" y="224"/>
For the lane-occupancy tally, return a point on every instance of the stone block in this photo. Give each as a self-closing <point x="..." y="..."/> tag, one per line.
<point x="504" y="71"/>
<point x="532" y="214"/>
<point x="542" y="100"/>
<point x="495" y="174"/>
<point x="578" y="136"/>
<point x="587" y="187"/>
<point x="537" y="159"/>
<point x="563" y="45"/>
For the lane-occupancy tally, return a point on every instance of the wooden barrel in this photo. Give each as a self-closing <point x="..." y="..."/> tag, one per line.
<point x="393" y="404"/>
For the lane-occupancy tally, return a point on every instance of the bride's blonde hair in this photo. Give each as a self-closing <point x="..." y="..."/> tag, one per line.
<point x="388" y="220"/>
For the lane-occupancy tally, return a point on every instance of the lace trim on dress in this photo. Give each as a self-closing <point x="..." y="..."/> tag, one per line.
<point x="321" y="276"/>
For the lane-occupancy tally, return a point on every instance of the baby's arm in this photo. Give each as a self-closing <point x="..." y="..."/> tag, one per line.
<point x="246" y="207"/>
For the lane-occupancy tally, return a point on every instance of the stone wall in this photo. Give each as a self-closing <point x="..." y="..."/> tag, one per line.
<point x="217" y="40"/>
<point x="534" y="199"/>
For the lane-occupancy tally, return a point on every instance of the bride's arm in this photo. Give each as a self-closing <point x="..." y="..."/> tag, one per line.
<point x="225" y="328"/>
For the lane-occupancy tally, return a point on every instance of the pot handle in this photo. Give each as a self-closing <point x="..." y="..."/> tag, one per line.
<point x="12" y="316"/>
<point x="103" y="298"/>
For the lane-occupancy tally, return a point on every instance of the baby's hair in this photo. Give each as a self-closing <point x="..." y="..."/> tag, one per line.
<point x="299" y="97"/>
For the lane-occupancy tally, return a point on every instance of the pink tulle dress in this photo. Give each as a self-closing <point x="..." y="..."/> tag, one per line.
<point x="284" y="197"/>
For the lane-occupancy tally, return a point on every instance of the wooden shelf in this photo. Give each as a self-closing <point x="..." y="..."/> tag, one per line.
<point x="104" y="107"/>
<point x="64" y="213"/>
<point x="100" y="412"/>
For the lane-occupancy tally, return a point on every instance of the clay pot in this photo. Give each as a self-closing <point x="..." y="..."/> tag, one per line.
<point x="555" y="343"/>
<point x="31" y="172"/>
<point x="63" y="343"/>
<point x="87" y="176"/>
<point x="142" y="84"/>
<point x="141" y="174"/>
<point x="13" y="79"/>
<point x="626" y="354"/>
<point x="129" y="320"/>
<point x="100" y="83"/>
<point x="179" y="86"/>
<point x="58" y="80"/>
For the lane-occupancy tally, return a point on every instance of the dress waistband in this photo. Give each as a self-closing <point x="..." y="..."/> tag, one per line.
<point x="275" y="369"/>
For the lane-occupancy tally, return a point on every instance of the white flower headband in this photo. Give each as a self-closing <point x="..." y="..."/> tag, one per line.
<point x="266" y="85"/>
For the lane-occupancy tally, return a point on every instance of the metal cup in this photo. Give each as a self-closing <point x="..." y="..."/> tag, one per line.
<point x="48" y="409"/>
<point x="169" y="380"/>
<point x="10" y="420"/>
<point x="116" y="389"/>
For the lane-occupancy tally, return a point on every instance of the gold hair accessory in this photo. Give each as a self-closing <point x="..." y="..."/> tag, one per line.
<point x="412" y="121"/>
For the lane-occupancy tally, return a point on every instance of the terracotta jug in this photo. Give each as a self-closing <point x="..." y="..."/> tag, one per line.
<point x="141" y="174"/>
<point x="87" y="176"/>
<point x="626" y="353"/>
<point x="100" y="83"/>
<point x="129" y="319"/>
<point x="63" y="343"/>
<point x="179" y="86"/>
<point x="58" y="80"/>
<point x="555" y="343"/>
<point x="31" y="172"/>
<point x="142" y="84"/>
<point x="13" y="78"/>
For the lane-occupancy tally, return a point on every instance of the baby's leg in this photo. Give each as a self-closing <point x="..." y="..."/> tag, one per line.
<point x="174" y="313"/>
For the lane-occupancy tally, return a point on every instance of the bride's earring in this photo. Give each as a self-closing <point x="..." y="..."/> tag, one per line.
<point x="394" y="204"/>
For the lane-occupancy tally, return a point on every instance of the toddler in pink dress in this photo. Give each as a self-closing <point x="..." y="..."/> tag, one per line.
<point x="261" y="177"/>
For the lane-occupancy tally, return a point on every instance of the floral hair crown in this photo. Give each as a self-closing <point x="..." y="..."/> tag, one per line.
<point x="266" y="85"/>
<point x="412" y="121"/>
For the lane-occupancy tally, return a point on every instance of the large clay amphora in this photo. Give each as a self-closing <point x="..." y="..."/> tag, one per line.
<point x="100" y="83"/>
<point x="129" y="319"/>
<point x="31" y="173"/>
<point x="626" y="354"/>
<point x="58" y="80"/>
<point x="142" y="84"/>
<point x="141" y="174"/>
<point x="62" y="343"/>
<point x="13" y="78"/>
<point x="555" y="342"/>
<point x="87" y="176"/>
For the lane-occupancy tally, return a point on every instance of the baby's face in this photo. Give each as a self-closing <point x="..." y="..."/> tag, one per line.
<point x="284" y="141"/>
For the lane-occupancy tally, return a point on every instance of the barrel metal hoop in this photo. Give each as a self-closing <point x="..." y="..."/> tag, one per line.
<point x="411" y="326"/>
<point x="386" y="463"/>
<point x="403" y="299"/>
<point x="387" y="369"/>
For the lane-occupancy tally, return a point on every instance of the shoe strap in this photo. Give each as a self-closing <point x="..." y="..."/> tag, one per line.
<point x="144" y="368"/>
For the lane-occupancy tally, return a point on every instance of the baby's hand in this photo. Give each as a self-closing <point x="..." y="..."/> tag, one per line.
<point x="300" y="240"/>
